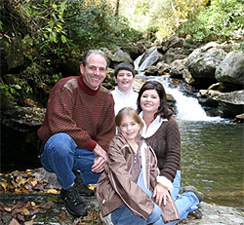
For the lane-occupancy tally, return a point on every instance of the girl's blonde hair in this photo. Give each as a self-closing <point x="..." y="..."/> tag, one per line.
<point x="127" y="111"/>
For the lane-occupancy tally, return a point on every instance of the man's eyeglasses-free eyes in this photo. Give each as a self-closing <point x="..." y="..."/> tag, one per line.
<point x="100" y="69"/>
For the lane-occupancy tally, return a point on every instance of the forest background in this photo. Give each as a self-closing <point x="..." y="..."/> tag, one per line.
<point x="50" y="32"/>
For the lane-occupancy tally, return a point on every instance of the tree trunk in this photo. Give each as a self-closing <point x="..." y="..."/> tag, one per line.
<point x="117" y="8"/>
<point x="174" y="10"/>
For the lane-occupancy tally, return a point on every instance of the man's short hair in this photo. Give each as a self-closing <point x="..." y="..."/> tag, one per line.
<point x="95" y="51"/>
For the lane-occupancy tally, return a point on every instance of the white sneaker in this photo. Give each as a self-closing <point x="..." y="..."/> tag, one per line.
<point x="106" y="220"/>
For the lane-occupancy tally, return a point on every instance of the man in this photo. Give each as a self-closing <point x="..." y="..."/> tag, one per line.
<point x="123" y="94"/>
<point x="78" y="125"/>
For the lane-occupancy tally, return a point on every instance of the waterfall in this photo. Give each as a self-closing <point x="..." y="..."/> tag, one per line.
<point x="148" y="58"/>
<point x="188" y="107"/>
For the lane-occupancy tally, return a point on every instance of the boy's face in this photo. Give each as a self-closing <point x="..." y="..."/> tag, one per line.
<point x="124" y="80"/>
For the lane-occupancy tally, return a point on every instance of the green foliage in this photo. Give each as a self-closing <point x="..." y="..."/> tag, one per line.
<point x="222" y="21"/>
<point x="56" y="31"/>
<point x="9" y="91"/>
<point x="92" y="24"/>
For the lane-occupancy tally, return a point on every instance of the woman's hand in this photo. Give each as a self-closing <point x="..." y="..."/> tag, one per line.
<point x="161" y="194"/>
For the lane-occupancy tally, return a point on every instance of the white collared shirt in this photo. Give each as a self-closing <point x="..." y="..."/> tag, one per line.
<point x="153" y="127"/>
<point x="121" y="100"/>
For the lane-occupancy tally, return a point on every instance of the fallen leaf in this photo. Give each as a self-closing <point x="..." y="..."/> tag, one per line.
<point x="62" y="216"/>
<point x="20" y="218"/>
<point x="34" y="183"/>
<point x="23" y="210"/>
<point x="8" y="208"/>
<point x="52" y="191"/>
<point x="20" y="181"/>
<point x="47" y="205"/>
<point x="30" y="222"/>
<point x="14" y="222"/>
<point x="4" y="185"/>
<point x="33" y="204"/>
<point x="28" y="171"/>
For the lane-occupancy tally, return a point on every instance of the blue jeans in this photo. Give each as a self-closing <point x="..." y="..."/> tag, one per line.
<point x="123" y="215"/>
<point x="185" y="203"/>
<point x="176" y="185"/>
<point x="61" y="156"/>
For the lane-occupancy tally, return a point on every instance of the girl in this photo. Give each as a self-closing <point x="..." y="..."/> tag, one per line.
<point x="126" y="188"/>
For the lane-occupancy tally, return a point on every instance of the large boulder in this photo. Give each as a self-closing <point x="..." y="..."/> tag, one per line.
<point x="202" y="62"/>
<point x="174" y="54"/>
<point x="231" y="69"/>
<point x="117" y="56"/>
<point x="179" y="70"/>
<point x="230" y="104"/>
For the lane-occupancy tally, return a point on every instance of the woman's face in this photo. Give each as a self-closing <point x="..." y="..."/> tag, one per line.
<point x="150" y="101"/>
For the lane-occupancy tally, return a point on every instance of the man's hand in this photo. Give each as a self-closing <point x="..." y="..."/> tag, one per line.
<point x="100" y="160"/>
<point x="98" y="165"/>
<point x="161" y="194"/>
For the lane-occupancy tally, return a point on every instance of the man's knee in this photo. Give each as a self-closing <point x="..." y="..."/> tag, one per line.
<point x="61" y="144"/>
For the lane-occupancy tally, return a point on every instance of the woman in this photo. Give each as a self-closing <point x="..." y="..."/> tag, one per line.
<point x="162" y="134"/>
<point x="126" y="189"/>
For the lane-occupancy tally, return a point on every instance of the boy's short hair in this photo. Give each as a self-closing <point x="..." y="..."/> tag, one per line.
<point x="124" y="66"/>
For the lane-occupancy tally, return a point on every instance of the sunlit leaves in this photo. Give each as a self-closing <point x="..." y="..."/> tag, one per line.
<point x="221" y="21"/>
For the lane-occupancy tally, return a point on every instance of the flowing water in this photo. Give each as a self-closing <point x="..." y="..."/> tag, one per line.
<point x="212" y="151"/>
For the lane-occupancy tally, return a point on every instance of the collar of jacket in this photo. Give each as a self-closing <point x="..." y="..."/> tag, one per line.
<point x="85" y="88"/>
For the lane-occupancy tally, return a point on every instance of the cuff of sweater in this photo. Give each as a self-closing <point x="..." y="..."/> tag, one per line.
<point x="166" y="182"/>
<point x="92" y="144"/>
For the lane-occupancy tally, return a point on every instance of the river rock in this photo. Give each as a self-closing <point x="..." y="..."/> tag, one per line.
<point x="231" y="69"/>
<point x="202" y="62"/>
<point x="229" y="104"/>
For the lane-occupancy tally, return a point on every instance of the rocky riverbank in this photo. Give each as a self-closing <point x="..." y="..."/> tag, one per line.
<point x="32" y="198"/>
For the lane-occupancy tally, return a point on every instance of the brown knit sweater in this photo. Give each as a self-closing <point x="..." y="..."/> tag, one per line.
<point x="84" y="114"/>
<point x="166" y="144"/>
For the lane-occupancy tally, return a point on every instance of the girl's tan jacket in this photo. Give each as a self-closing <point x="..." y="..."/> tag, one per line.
<point x="115" y="186"/>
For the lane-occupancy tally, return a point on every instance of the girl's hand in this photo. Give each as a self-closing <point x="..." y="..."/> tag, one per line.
<point x="160" y="194"/>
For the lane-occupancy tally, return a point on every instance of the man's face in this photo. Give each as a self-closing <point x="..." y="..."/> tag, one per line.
<point x="95" y="70"/>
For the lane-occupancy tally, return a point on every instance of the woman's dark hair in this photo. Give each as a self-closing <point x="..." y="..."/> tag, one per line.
<point x="163" y="110"/>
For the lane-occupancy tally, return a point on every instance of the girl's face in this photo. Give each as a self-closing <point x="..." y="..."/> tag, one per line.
<point x="129" y="128"/>
<point x="150" y="101"/>
<point x="124" y="80"/>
